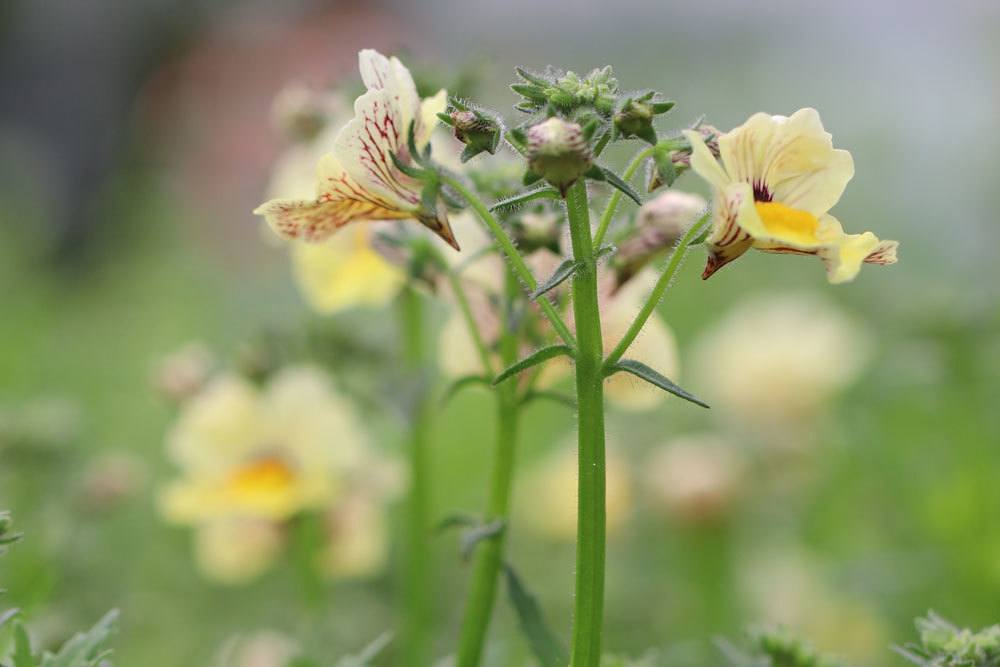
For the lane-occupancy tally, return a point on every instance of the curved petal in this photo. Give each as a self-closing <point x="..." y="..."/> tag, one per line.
<point x="843" y="260"/>
<point x="817" y="191"/>
<point x="428" y="120"/>
<point x="730" y="238"/>
<point x="744" y="150"/>
<point x="704" y="163"/>
<point x="365" y="145"/>
<point x="390" y="75"/>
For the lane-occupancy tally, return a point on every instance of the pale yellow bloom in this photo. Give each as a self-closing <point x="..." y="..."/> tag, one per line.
<point x="265" y="453"/>
<point x="551" y="486"/>
<point x="357" y="537"/>
<point x="774" y="362"/>
<point x="694" y="479"/>
<point x="778" y="178"/>
<point x="358" y="180"/>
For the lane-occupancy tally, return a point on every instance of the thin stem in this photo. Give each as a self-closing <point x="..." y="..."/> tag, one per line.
<point x="616" y="196"/>
<point x="517" y="262"/>
<point x="489" y="555"/>
<point x="590" y="541"/>
<point x="658" y="291"/>
<point x="470" y="322"/>
<point x="415" y="647"/>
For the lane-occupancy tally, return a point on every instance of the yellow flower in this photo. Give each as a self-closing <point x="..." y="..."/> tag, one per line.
<point x="694" y="479"/>
<point x="358" y="180"/>
<point x="236" y="550"/>
<point x="778" y="179"/>
<point x="260" y="453"/>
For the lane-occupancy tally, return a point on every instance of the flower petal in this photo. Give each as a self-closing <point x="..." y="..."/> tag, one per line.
<point x="704" y="163"/>
<point x="390" y="75"/>
<point x="744" y="150"/>
<point x="733" y="208"/>
<point x="428" y="120"/>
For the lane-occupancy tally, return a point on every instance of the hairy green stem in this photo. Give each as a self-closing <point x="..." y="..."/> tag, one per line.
<point x="658" y="291"/>
<point x="489" y="554"/>
<point x="514" y="257"/>
<point x="616" y="196"/>
<point x="416" y="626"/>
<point x="590" y="538"/>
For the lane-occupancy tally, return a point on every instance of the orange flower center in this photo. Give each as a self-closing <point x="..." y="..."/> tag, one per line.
<point x="787" y="223"/>
<point x="264" y="475"/>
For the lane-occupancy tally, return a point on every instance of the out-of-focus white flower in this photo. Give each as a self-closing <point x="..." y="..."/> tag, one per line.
<point x="551" y="484"/>
<point x="694" y="479"/>
<point x="661" y="222"/>
<point x="182" y="373"/>
<point x="266" y="648"/>
<point x="774" y="362"/>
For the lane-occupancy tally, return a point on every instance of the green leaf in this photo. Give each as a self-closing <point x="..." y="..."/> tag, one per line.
<point x="530" y="178"/>
<point x="662" y="107"/>
<point x="22" y="648"/>
<point x="84" y="649"/>
<point x="411" y="143"/>
<point x="521" y="198"/>
<point x="616" y="181"/>
<point x="544" y="644"/>
<point x="459" y="520"/>
<point x="536" y="79"/>
<point x="562" y="272"/>
<point x="607" y="249"/>
<point x="412" y="172"/>
<point x="533" y="359"/>
<point x="531" y="92"/>
<point x="461" y="383"/>
<point x="644" y="372"/>
<point x="446" y="118"/>
<point x="554" y="396"/>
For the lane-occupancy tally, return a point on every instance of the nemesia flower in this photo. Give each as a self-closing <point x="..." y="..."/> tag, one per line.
<point x="778" y="178"/>
<point x="358" y="180"/>
<point x="236" y="550"/>
<point x="774" y="362"/>
<point x="551" y="486"/>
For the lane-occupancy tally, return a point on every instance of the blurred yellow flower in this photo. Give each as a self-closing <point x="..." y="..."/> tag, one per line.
<point x="235" y="550"/>
<point x="550" y="484"/>
<point x="774" y="362"/>
<point x="358" y="180"/>
<point x="778" y="179"/>
<point x="268" y="453"/>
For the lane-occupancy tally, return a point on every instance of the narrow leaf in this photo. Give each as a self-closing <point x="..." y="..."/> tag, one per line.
<point x="605" y="250"/>
<point x="412" y="172"/>
<point x="446" y="118"/>
<point x="22" y="648"/>
<point x="534" y="359"/>
<point x="564" y="271"/>
<point x="7" y="616"/>
<point x="644" y="372"/>
<point x="456" y="521"/>
<point x="460" y="384"/>
<point x="616" y="181"/>
<point x="544" y="644"/>
<point x="536" y="79"/>
<point x="521" y="198"/>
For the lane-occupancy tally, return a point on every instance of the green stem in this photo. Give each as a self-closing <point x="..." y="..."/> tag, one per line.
<point x="658" y="291"/>
<point x="517" y="262"/>
<point x="616" y="196"/>
<point x="415" y="647"/>
<point x="590" y="540"/>
<point x="489" y="554"/>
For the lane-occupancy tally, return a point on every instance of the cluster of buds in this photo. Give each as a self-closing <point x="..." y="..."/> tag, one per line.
<point x="634" y="117"/>
<point x="479" y="130"/>
<point x="566" y="93"/>
<point x="672" y="158"/>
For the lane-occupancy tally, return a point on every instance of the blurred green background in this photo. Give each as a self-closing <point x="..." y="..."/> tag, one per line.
<point x="136" y="139"/>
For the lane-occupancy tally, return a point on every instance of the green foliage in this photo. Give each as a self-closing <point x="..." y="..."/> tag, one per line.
<point x="655" y="378"/>
<point x="537" y="357"/>
<point x="544" y="644"/>
<point x="943" y="644"/>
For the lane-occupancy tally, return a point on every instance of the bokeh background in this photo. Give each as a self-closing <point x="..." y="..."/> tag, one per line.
<point x="136" y="138"/>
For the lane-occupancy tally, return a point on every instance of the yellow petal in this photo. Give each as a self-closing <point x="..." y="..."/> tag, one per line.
<point x="235" y="551"/>
<point x="704" y="163"/>
<point x="843" y="260"/>
<point x="345" y="272"/>
<point x="744" y="150"/>
<point x="429" y="109"/>
<point x="733" y="213"/>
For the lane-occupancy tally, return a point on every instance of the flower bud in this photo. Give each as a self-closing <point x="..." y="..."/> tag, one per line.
<point x="558" y="152"/>
<point x="636" y="120"/>
<point x="661" y="222"/>
<point x="477" y="131"/>
<point x="669" y="164"/>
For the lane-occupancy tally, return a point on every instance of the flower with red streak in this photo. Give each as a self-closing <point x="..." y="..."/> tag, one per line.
<point x="358" y="180"/>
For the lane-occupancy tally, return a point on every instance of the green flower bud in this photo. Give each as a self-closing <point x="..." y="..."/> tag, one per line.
<point x="558" y="152"/>
<point x="636" y="120"/>
<point x="477" y="131"/>
<point x="670" y="162"/>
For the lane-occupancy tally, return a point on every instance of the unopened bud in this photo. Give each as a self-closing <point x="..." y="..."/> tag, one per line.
<point x="661" y="222"/>
<point x="669" y="164"/>
<point x="477" y="131"/>
<point x="558" y="152"/>
<point x="636" y="120"/>
<point x="183" y="373"/>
